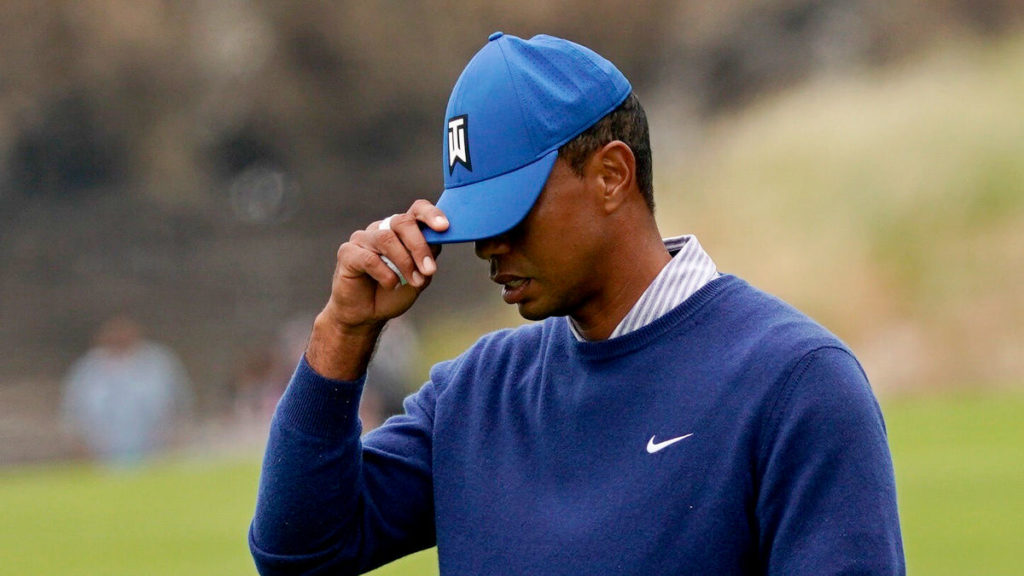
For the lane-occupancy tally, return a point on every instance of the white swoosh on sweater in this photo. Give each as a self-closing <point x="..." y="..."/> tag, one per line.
<point x="653" y="446"/>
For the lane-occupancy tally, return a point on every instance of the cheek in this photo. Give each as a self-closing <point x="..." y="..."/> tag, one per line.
<point x="559" y="238"/>
<point x="569" y="266"/>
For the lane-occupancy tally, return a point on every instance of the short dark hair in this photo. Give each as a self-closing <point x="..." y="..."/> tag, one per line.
<point x="627" y="123"/>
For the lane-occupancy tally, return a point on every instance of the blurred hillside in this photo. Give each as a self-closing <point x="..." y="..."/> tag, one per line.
<point x="197" y="163"/>
<point x="888" y="203"/>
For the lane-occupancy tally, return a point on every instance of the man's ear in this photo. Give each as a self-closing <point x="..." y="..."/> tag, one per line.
<point x="614" y="172"/>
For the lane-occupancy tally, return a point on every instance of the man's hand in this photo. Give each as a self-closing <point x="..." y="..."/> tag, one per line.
<point x="366" y="292"/>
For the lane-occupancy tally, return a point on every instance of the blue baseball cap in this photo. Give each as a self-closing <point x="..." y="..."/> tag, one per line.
<point x="516" y="103"/>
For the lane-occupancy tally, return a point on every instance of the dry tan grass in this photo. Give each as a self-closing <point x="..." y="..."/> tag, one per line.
<point x="887" y="203"/>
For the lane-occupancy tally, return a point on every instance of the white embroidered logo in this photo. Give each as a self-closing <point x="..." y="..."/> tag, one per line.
<point x="653" y="446"/>
<point x="458" y="143"/>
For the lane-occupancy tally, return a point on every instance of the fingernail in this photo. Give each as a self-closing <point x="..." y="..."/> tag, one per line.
<point x="417" y="279"/>
<point x="441" y="220"/>
<point x="429" y="267"/>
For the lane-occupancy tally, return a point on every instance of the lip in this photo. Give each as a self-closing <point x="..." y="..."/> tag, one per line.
<point x="513" y="288"/>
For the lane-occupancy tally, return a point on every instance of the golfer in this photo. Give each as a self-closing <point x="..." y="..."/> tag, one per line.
<point x="661" y="417"/>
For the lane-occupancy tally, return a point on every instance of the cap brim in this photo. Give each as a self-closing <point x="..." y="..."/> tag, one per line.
<point x="493" y="206"/>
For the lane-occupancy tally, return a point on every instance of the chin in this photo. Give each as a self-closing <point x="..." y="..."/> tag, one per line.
<point x="532" y="314"/>
<point x="536" y="311"/>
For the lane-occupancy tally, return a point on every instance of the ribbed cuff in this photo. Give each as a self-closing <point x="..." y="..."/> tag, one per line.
<point x="320" y="406"/>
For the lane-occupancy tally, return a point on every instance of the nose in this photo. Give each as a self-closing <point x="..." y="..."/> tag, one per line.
<point x="493" y="246"/>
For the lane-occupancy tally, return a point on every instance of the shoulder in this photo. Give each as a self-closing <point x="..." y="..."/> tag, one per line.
<point x="754" y="313"/>
<point x="828" y="387"/>
<point x="769" y="352"/>
<point x="86" y="370"/>
<point x="748" y="326"/>
<point x="156" y="352"/>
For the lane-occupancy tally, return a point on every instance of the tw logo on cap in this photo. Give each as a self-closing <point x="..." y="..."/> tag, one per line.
<point x="458" y="143"/>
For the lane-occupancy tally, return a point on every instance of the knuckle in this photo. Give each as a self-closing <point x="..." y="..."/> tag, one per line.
<point x="422" y="206"/>
<point x="357" y="236"/>
<point x="388" y="239"/>
<point x="367" y="259"/>
<point x="421" y="251"/>
<point x="402" y="219"/>
<point x="344" y="249"/>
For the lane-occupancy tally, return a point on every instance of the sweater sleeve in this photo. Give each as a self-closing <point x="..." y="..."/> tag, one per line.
<point x="329" y="502"/>
<point x="827" y="498"/>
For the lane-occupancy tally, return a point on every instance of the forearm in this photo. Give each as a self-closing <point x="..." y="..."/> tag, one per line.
<point x="326" y="500"/>
<point x="309" y="486"/>
<point x="323" y="500"/>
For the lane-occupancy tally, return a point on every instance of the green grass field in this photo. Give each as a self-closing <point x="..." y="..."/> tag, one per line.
<point x="960" y="477"/>
<point x="959" y="466"/>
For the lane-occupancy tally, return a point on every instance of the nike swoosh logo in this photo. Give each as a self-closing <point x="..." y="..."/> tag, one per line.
<point x="653" y="446"/>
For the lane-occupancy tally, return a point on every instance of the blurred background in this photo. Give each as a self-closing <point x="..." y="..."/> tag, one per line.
<point x="175" y="178"/>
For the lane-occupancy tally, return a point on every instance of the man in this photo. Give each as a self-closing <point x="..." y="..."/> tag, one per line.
<point x="661" y="419"/>
<point x="126" y="395"/>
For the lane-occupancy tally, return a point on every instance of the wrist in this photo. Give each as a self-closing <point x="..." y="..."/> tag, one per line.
<point x="339" y="351"/>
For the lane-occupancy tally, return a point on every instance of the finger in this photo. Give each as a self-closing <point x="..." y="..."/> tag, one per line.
<point x="360" y="255"/>
<point x="396" y="245"/>
<point x="424" y="211"/>
<point x="395" y="269"/>
<point x="407" y="228"/>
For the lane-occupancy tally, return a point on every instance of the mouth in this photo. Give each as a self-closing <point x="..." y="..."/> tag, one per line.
<point x="513" y="288"/>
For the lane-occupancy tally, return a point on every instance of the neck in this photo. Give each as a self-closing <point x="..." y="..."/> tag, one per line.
<point x="637" y="264"/>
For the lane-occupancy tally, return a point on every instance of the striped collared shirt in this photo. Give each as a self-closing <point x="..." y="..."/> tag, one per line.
<point x="688" y="271"/>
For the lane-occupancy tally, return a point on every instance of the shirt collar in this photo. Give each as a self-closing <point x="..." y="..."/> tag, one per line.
<point x="688" y="271"/>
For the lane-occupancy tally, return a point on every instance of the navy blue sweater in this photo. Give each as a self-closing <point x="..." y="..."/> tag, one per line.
<point x="731" y="436"/>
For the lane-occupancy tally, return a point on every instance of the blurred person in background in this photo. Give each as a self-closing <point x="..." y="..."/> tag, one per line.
<point x="659" y="417"/>
<point x="125" y="397"/>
